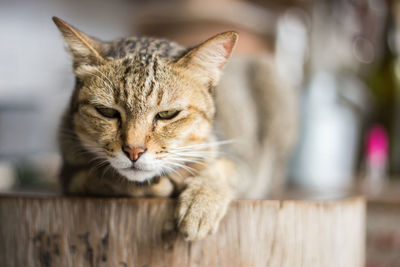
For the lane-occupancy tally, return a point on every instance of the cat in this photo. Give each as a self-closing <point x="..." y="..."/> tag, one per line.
<point x="145" y="113"/>
<point x="140" y="123"/>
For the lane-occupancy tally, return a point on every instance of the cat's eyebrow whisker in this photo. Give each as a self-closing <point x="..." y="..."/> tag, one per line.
<point x="105" y="76"/>
<point x="110" y="86"/>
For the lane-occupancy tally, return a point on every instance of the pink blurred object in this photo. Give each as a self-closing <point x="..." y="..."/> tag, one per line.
<point x="377" y="145"/>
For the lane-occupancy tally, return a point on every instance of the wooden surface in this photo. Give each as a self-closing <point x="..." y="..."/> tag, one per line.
<point x="59" y="231"/>
<point x="383" y="233"/>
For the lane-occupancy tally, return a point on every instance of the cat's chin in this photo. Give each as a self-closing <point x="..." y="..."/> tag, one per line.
<point x="136" y="175"/>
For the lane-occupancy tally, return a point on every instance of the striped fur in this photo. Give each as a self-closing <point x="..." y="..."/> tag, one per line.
<point x="138" y="78"/>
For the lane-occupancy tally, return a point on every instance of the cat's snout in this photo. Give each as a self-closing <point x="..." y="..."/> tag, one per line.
<point x="133" y="153"/>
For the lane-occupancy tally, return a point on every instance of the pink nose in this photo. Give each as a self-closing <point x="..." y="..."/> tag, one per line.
<point x="134" y="153"/>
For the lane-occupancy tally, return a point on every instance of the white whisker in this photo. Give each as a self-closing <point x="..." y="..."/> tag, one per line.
<point x="105" y="76"/>
<point x="108" y="84"/>
<point x="204" y="145"/>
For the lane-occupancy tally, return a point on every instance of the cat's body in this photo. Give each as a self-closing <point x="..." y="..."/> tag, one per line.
<point x="257" y="109"/>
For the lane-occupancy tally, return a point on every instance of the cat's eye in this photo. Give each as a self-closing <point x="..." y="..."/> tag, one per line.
<point x="168" y="114"/>
<point x="108" y="112"/>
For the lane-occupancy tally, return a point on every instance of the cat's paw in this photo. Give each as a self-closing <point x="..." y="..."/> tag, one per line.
<point x="200" y="209"/>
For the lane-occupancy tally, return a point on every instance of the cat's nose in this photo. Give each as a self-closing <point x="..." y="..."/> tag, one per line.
<point x="133" y="153"/>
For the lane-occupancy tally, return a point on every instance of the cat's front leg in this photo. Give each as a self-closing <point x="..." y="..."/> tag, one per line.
<point x="205" y="199"/>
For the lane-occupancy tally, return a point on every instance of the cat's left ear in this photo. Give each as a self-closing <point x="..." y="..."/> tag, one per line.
<point x="84" y="49"/>
<point x="209" y="58"/>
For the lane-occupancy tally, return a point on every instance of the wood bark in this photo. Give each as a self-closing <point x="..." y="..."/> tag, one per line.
<point x="63" y="231"/>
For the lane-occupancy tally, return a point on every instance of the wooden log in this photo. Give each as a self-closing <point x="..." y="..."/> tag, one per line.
<point x="383" y="233"/>
<point x="61" y="231"/>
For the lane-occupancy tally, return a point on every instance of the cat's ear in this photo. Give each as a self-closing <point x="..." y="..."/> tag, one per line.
<point x="84" y="49"/>
<point x="209" y="58"/>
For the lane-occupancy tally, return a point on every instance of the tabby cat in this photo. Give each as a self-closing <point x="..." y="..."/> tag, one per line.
<point x="140" y="123"/>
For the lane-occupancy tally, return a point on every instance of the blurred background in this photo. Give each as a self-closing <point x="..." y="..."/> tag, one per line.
<point x="340" y="56"/>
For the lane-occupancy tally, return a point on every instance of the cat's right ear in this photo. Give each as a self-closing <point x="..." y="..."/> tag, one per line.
<point x="84" y="49"/>
<point x="209" y="58"/>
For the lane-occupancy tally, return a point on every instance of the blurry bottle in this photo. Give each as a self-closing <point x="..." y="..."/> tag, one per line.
<point x="326" y="158"/>
<point x="334" y="103"/>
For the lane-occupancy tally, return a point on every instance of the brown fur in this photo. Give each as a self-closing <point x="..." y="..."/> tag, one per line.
<point x="138" y="78"/>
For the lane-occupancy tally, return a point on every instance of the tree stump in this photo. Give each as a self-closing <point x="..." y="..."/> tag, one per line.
<point x="70" y="231"/>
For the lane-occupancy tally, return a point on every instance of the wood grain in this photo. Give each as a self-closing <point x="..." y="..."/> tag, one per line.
<point x="60" y="231"/>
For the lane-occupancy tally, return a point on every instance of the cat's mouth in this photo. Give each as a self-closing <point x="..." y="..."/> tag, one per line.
<point x="137" y="174"/>
<point x="139" y="171"/>
<point x="134" y="168"/>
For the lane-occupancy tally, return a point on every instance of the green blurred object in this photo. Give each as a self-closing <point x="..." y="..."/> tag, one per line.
<point x="31" y="176"/>
<point x="384" y="81"/>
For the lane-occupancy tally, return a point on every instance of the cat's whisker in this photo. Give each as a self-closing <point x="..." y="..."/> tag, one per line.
<point x="166" y="170"/>
<point x="171" y="170"/>
<point x="107" y="169"/>
<point x="96" y="162"/>
<point x="184" y="155"/>
<point x="190" y="155"/>
<point x="194" y="151"/>
<point x="79" y="151"/>
<point x="185" y="161"/>
<point x="182" y="166"/>
<point x="85" y="148"/>
<point x="197" y="153"/>
<point x="205" y="145"/>
<point x="101" y="164"/>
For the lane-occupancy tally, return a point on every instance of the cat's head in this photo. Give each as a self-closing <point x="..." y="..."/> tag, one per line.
<point x="145" y="105"/>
